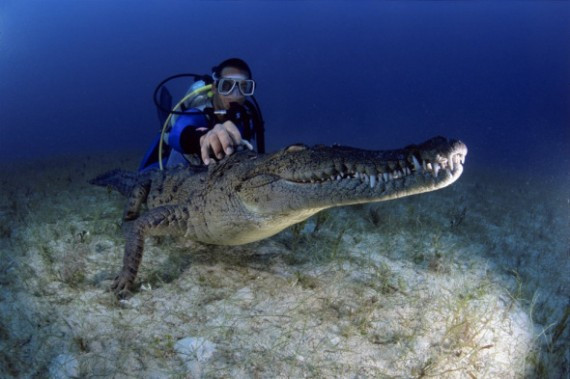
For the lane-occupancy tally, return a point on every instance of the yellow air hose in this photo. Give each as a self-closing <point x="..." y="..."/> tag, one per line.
<point x="176" y="109"/>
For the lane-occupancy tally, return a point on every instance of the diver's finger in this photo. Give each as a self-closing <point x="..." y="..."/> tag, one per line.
<point x="226" y="141"/>
<point x="216" y="145"/>
<point x="208" y="145"/>
<point x="205" y="151"/>
<point x="233" y="131"/>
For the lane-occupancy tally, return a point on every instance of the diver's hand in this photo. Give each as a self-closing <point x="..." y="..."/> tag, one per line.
<point x="221" y="140"/>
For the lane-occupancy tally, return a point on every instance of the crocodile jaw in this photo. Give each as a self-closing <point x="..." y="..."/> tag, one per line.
<point x="271" y="202"/>
<point x="349" y="176"/>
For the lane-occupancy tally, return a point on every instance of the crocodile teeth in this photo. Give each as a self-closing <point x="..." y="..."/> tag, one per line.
<point x="417" y="165"/>
<point x="436" y="168"/>
<point x="457" y="159"/>
<point x="372" y="181"/>
<point x="449" y="165"/>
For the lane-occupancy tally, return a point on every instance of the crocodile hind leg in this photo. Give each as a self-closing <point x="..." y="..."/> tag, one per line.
<point x="168" y="219"/>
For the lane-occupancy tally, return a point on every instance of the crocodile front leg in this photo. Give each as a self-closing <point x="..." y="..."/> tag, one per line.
<point x="168" y="219"/>
<point x="137" y="197"/>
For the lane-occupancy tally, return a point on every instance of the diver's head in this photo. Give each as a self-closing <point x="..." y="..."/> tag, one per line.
<point x="232" y="83"/>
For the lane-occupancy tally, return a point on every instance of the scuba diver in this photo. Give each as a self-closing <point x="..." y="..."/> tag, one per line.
<point x="217" y="116"/>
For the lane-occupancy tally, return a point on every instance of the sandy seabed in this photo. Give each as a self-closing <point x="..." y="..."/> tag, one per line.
<point x="467" y="282"/>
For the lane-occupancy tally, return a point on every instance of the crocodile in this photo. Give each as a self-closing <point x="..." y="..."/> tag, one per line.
<point x="247" y="196"/>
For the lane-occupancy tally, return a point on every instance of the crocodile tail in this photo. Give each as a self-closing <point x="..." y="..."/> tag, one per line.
<point x="120" y="180"/>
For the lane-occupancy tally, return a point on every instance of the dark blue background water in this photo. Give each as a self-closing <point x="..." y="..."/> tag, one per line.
<point x="77" y="76"/>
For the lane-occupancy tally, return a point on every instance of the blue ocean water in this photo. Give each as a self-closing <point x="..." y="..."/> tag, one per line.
<point x="77" y="76"/>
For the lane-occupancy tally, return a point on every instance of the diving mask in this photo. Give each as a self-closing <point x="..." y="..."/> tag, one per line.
<point x="226" y="86"/>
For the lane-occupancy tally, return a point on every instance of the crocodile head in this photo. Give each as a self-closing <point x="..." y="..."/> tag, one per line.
<point x="281" y="189"/>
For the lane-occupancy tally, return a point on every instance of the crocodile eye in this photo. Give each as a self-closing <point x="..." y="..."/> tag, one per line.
<point x="295" y="147"/>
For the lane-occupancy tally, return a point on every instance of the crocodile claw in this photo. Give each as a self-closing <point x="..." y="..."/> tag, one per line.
<point x="122" y="284"/>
